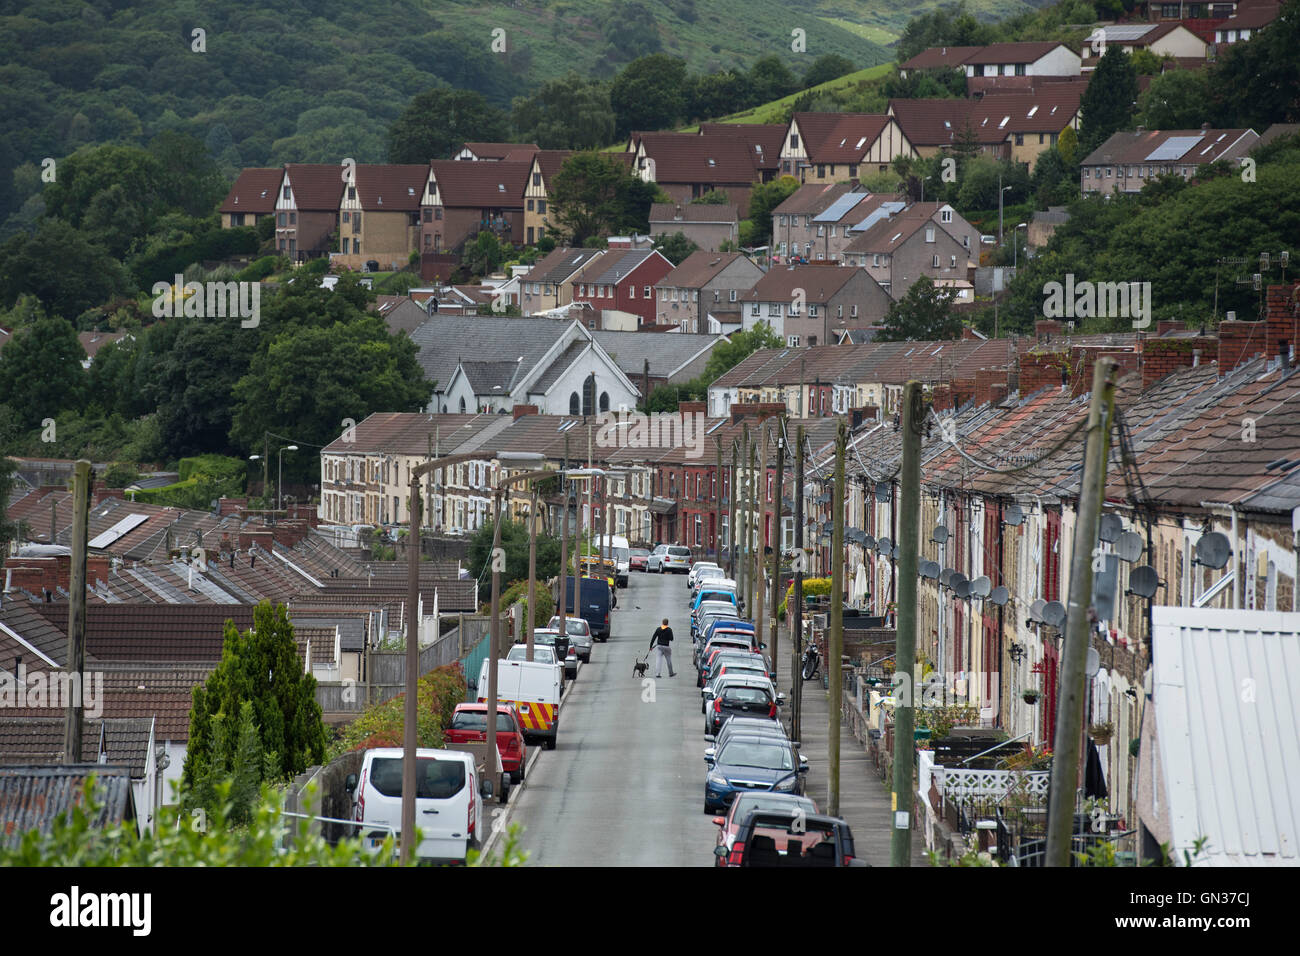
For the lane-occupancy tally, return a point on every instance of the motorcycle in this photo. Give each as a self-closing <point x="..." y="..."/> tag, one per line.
<point x="809" y="661"/>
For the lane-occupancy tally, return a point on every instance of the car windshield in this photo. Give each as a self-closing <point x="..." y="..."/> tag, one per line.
<point x="640" y="553"/>
<point x="756" y="753"/>
<point x="477" y="720"/>
<point x="747" y="803"/>
<point x="745" y="695"/>
<point x="540" y="653"/>
<point x="434" y="779"/>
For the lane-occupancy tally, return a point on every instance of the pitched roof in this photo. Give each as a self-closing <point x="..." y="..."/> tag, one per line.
<point x="691" y="158"/>
<point x="154" y="632"/>
<point x="665" y="351"/>
<point x="489" y="377"/>
<point x="812" y="198"/>
<point x="316" y="187"/>
<point x="888" y="234"/>
<point x="1050" y="108"/>
<point x="391" y="188"/>
<point x="39" y="740"/>
<point x="474" y="185"/>
<point x="762" y="139"/>
<point x="33" y="798"/>
<point x="560" y="264"/>
<point x="618" y="264"/>
<point x="1022" y="52"/>
<point x="255" y="190"/>
<point x="667" y="212"/>
<point x="940" y="56"/>
<point x="698" y="268"/>
<point x="1185" y="146"/>
<point x="839" y="137"/>
<point x="496" y="151"/>
<point x="1252" y="18"/>
<point x="818" y="283"/>
<point x="444" y="340"/>
<point x="550" y="161"/>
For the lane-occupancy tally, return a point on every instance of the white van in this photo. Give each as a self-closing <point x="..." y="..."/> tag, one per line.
<point x="620" y="552"/>
<point x="448" y="801"/>
<point x="534" y="688"/>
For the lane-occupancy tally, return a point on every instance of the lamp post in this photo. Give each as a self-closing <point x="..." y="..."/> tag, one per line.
<point x="411" y="713"/>
<point x="1015" y="239"/>
<point x="1002" y="191"/>
<point x="532" y="461"/>
<point x="279" y="481"/>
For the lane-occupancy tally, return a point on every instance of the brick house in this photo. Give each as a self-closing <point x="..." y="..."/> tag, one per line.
<point x="1127" y="161"/>
<point x="688" y="165"/>
<point x="762" y="140"/>
<point x="704" y="279"/>
<point x="1018" y="126"/>
<point x="623" y="281"/>
<point x="708" y="225"/>
<point x="822" y="232"/>
<point x="897" y="251"/>
<point x="251" y="198"/>
<point x="307" y="209"/>
<point x="836" y="147"/>
<point x="463" y="198"/>
<point x="379" y="216"/>
<point x="804" y="303"/>
<point x="549" y="283"/>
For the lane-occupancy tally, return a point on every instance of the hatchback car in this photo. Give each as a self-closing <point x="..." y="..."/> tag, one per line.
<point x="749" y="763"/>
<point x="746" y="697"/>
<point x="718" y="687"/>
<point x="749" y="727"/>
<point x="782" y="837"/>
<point x="702" y="567"/>
<point x="469" y="725"/>
<point x="550" y="637"/>
<point x="579" y="635"/>
<point x="669" y="557"/>
<point x="743" y="806"/>
<point x="637" y="558"/>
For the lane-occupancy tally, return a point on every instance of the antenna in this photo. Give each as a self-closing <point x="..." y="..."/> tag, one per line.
<point x="945" y="577"/>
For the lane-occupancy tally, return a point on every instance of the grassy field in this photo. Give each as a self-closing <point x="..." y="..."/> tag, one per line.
<point x="875" y="34"/>
<point x="774" y="111"/>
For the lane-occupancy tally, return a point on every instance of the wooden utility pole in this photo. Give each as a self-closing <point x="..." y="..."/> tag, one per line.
<point x="760" y="513"/>
<point x="77" y="613"/>
<point x="410" y="739"/>
<point x="796" y="613"/>
<point x="835" y="646"/>
<point x="751" y="532"/>
<point x="1078" y="619"/>
<point x="732" y="537"/>
<point x="775" y="631"/>
<point x="742" y="516"/>
<point x="532" y="571"/>
<point x="717" y="503"/>
<point x="909" y="532"/>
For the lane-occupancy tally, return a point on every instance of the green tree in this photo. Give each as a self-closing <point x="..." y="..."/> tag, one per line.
<point x="649" y="94"/>
<point x="1067" y="144"/>
<point x="62" y="267"/>
<point x="675" y="247"/>
<point x="1175" y="100"/>
<point x="1257" y="83"/>
<point x="827" y="67"/>
<point x="40" y="371"/>
<point x="727" y="355"/>
<point x="630" y="31"/>
<point x="438" y="121"/>
<point x="1110" y="99"/>
<point x="514" y="541"/>
<point x="770" y="79"/>
<point x="764" y="198"/>
<point x="924" y="313"/>
<point x="568" y="113"/>
<point x="718" y="94"/>
<point x="484" y="255"/>
<point x="259" y="669"/>
<point x="594" y="195"/>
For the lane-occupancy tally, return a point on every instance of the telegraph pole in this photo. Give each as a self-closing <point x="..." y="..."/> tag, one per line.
<point x="717" y="502"/>
<point x="410" y="710"/>
<point x="775" y="631"/>
<point x="1078" y="621"/>
<point x="742" y="518"/>
<point x="760" y="512"/>
<point x="909" y="529"/>
<point x="796" y="613"/>
<point x="835" y="649"/>
<point x="77" y="609"/>
<point x="532" y="571"/>
<point x="731" y="530"/>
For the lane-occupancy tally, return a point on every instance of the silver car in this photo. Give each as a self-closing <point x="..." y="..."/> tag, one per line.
<point x="579" y="635"/>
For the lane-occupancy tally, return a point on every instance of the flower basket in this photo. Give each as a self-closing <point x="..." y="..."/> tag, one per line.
<point x="1101" y="733"/>
<point x="1031" y="696"/>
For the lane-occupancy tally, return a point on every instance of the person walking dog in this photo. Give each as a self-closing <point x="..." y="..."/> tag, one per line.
<point x="661" y="642"/>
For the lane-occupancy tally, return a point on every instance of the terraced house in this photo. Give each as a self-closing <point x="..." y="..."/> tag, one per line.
<point x="838" y="147"/>
<point x="379" y="216"/>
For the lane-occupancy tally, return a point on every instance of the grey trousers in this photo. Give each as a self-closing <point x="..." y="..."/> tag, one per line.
<point x="664" y="653"/>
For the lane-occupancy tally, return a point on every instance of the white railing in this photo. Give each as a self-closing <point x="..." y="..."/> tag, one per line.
<point x="962" y="786"/>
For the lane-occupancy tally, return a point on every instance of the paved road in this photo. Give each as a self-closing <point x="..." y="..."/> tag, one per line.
<point x="625" y="783"/>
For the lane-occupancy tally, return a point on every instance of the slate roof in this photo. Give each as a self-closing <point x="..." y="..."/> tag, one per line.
<point x="24" y="630"/>
<point x="560" y="264"/>
<point x="1192" y="146"/>
<point x="255" y="191"/>
<point x="818" y="282"/>
<point x="154" y="632"/>
<point x="445" y="339"/>
<point x="33" y="797"/>
<point x="495" y="151"/>
<point x="489" y="378"/>
<point x="697" y="269"/>
<point x="666" y="351"/>
<point x="618" y="264"/>
<point x="839" y="137"/>
<point x="28" y="740"/>
<point x="559" y="366"/>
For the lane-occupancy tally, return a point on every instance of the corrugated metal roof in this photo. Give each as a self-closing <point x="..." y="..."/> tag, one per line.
<point x="1227" y="723"/>
<point x="31" y="798"/>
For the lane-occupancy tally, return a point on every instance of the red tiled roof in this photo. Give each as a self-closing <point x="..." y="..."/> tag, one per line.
<point x="481" y="185"/>
<point x="1024" y="52"/>
<point x="496" y="151"/>
<point x="255" y="190"/>
<point x="690" y="158"/>
<point x="697" y="269"/>
<point x="818" y="283"/>
<point x="316" y="187"/>
<point x="764" y="140"/>
<point x="940" y="56"/>
<point x="839" y="137"/>
<point x="390" y="188"/>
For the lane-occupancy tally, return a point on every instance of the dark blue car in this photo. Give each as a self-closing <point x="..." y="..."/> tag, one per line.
<point x="748" y="763"/>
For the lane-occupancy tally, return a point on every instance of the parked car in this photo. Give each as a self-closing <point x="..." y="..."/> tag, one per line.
<point x="713" y="581"/>
<point x="743" y="806"/>
<point x="750" y="698"/>
<point x="789" y="836"/>
<point x="748" y="763"/>
<point x="565" y="652"/>
<point x="579" y="632"/>
<point x="469" y="725"/>
<point x="669" y="557"/>
<point x="595" y="600"/>
<point x="448" y="801"/>
<point x="725" y="667"/>
<point x="702" y="567"/>
<point x="637" y="558"/>
<point x="735" y="726"/>
<point x="720" y="687"/>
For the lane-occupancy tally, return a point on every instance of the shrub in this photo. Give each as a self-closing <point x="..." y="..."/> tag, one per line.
<point x="812" y="586"/>
<point x="381" y="725"/>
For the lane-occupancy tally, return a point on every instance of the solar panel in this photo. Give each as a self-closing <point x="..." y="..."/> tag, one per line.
<point x="839" y="207"/>
<point x="1122" y="34"/>
<point x="886" y="209"/>
<point x="1173" y="148"/>
<point x="104" y="539"/>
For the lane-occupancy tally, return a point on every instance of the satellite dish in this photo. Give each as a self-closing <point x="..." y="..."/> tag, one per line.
<point x="940" y="534"/>
<point x="960" y="585"/>
<point x="1213" y="550"/>
<point x="869" y="542"/>
<point x="928" y="569"/>
<point x="981" y="587"/>
<point x="1036" y="611"/>
<point x="1129" y="546"/>
<point x="883" y="491"/>
<point x="885" y="546"/>
<point x="1093" y="664"/>
<point x="828" y="527"/>
<point x="999" y="596"/>
<point x="1053" y="613"/>
<point x="945" y="577"/>
<point x="1111" y="527"/>
<point x="1013" y="515"/>
<point x="1143" y="581"/>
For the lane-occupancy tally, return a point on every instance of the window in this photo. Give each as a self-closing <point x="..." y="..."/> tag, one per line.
<point x="1020" y="139"/>
<point x="541" y="206"/>
<point x="428" y="214"/>
<point x="731" y="296"/>
<point x="428" y="240"/>
<point x="574" y="407"/>
<point x="821" y="172"/>
<point x="236" y="218"/>
<point x="356" y="221"/>
<point x="952" y="262"/>
<point x="631" y="292"/>
<point x="582" y="289"/>
<point x="812" y="311"/>
<point x="945" y="215"/>
<point x="792" y="341"/>
<point x="875" y="260"/>
<point x="794" y="144"/>
<point x="753" y="309"/>
<point x="537" y="179"/>
<point x="832" y="232"/>
<point x="774" y="308"/>
<point x="853" y="170"/>
<point x="929" y="233"/>
<point x="821" y="230"/>
<point x="839" y="311"/>
<point x="530" y="205"/>
<point x="695" y="295"/>
<point x="936" y="262"/>
<point x="782" y="219"/>
<point x="674" y="295"/>
<point x="437" y="212"/>
<point x="282" y="219"/>
<point x="1020" y="69"/>
<point x="647" y="292"/>
<point x="853" y="310"/>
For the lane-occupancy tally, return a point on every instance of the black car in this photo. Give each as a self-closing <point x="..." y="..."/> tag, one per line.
<point x="748" y="698"/>
<point x="794" y="838"/>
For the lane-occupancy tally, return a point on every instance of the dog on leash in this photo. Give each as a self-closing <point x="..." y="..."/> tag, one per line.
<point x="639" y="668"/>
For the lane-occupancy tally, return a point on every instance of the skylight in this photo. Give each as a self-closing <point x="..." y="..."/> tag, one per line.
<point x="1032" y="111"/>
<point x="1005" y="120"/>
<point x="860" y="142"/>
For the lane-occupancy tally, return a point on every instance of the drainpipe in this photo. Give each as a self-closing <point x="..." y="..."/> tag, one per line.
<point x="1236" y="573"/>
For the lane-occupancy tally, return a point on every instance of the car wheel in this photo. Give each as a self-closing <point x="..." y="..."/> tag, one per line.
<point x="523" y="763"/>
<point x="550" y="743"/>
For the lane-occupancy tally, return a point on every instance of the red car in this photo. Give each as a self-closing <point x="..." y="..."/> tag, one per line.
<point x="469" y="725"/>
<point x="637" y="559"/>
<point x="747" y="803"/>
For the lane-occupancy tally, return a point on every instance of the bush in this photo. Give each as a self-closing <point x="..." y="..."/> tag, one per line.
<point x="813" y="586"/>
<point x="382" y="725"/>
<point x="259" y="269"/>
<point x="517" y="593"/>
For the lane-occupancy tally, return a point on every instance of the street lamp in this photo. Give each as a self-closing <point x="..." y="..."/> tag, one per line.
<point x="1015" y="239"/>
<point x="532" y="461"/>
<point x="1002" y="190"/>
<point x="279" y="481"/>
<point x="264" y="462"/>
